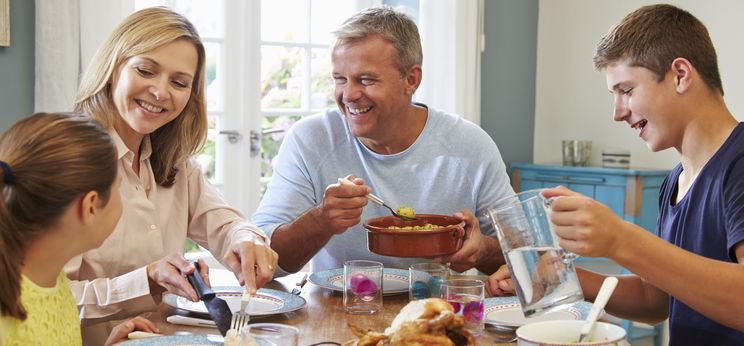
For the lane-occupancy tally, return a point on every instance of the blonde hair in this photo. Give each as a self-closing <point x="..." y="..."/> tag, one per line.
<point x="53" y="159"/>
<point x="139" y="33"/>
<point x="396" y="27"/>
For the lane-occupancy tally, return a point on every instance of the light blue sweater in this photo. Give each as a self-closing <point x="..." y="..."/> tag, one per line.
<point x="452" y="165"/>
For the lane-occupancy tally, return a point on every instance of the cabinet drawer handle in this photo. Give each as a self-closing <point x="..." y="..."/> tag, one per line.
<point x="569" y="178"/>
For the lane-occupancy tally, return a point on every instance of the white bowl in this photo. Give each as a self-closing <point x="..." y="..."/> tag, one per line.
<point x="560" y="333"/>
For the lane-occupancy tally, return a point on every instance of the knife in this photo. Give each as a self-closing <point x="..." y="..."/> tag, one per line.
<point x="218" y="309"/>
<point x="190" y="321"/>
<point x="297" y="290"/>
<point x="141" y="335"/>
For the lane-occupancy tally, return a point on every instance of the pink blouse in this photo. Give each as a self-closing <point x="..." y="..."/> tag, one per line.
<point x="111" y="282"/>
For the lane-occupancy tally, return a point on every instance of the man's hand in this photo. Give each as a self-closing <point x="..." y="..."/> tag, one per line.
<point x="252" y="262"/>
<point x="342" y="205"/>
<point x="120" y="332"/>
<point x="169" y="274"/>
<point x="468" y="256"/>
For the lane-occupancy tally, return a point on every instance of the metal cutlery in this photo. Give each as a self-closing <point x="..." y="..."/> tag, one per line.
<point x="141" y="335"/>
<point x="379" y="201"/>
<point x="190" y="321"/>
<point x="297" y="290"/>
<point x="241" y="318"/>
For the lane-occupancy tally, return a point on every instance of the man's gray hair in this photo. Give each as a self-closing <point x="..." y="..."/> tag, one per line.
<point x="394" y="26"/>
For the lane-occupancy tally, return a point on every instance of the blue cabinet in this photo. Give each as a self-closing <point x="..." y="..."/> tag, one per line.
<point x="630" y="193"/>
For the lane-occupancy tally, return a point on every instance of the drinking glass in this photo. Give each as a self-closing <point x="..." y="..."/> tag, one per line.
<point x="466" y="297"/>
<point x="543" y="273"/>
<point x="576" y="152"/>
<point x="424" y="279"/>
<point x="271" y="334"/>
<point x="362" y="287"/>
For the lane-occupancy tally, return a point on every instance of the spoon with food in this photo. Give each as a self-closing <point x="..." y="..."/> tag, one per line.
<point x="403" y="213"/>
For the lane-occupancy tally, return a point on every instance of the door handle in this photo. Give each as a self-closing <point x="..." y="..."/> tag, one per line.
<point x="232" y="135"/>
<point x="254" y="137"/>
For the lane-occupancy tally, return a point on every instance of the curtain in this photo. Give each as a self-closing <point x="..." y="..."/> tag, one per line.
<point x="452" y="39"/>
<point x="57" y="56"/>
<point x="68" y="32"/>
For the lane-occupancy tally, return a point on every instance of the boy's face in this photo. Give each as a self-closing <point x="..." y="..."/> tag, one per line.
<point x="646" y="104"/>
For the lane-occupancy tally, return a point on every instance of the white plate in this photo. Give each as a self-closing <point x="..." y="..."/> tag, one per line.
<point x="507" y="312"/>
<point x="394" y="281"/>
<point x="264" y="302"/>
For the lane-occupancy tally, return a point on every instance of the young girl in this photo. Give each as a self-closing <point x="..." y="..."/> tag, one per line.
<point x="60" y="198"/>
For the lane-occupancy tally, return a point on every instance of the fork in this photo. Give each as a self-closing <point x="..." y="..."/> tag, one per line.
<point x="241" y="318"/>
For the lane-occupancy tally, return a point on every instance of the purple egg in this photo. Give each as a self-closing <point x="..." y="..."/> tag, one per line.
<point x="456" y="306"/>
<point x="361" y="285"/>
<point x="473" y="312"/>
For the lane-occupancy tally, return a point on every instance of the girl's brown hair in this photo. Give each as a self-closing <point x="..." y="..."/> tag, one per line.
<point x="139" y="33"/>
<point x="53" y="159"/>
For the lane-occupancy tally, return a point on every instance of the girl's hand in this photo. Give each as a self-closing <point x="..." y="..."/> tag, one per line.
<point x="120" y="332"/>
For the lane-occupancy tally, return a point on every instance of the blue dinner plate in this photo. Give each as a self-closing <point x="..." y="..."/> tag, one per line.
<point x="191" y="340"/>
<point x="394" y="281"/>
<point x="264" y="302"/>
<point x="176" y="340"/>
<point x="507" y="312"/>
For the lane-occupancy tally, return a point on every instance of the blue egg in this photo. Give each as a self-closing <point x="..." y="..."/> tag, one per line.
<point x="419" y="290"/>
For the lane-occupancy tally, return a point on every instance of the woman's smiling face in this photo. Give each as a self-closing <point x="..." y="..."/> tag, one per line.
<point x="151" y="89"/>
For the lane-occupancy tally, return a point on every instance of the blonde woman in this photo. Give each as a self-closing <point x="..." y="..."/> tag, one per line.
<point x="146" y="85"/>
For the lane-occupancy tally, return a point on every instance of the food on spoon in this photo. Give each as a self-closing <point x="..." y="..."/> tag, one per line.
<point x="422" y="322"/>
<point x="406" y="211"/>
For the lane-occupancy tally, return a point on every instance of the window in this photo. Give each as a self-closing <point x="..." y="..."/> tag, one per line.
<point x="295" y="66"/>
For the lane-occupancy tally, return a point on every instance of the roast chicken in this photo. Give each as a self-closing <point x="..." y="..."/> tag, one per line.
<point x="422" y="322"/>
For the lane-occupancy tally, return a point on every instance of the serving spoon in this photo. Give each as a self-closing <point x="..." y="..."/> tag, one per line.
<point x="378" y="200"/>
<point x="608" y="286"/>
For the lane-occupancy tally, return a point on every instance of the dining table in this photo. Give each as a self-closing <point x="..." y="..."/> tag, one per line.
<point x="323" y="320"/>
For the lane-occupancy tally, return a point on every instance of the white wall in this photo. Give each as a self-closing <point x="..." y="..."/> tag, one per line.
<point x="572" y="101"/>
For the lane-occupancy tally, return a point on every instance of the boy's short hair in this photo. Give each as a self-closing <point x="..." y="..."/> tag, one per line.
<point x="653" y="36"/>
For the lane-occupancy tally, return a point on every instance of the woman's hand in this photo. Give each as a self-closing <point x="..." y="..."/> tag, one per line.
<point x="169" y="274"/>
<point x="120" y="332"/>
<point x="253" y="262"/>
<point x="500" y="283"/>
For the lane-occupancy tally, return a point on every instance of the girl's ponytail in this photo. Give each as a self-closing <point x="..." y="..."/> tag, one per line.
<point x="48" y="161"/>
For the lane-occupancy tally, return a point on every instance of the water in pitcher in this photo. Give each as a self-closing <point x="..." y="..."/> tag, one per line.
<point x="545" y="281"/>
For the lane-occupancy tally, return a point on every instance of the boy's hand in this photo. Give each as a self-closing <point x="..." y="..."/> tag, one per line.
<point x="500" y="283"/>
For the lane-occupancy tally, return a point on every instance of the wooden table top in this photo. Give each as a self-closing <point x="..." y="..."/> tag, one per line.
<point x="322" y="320"/>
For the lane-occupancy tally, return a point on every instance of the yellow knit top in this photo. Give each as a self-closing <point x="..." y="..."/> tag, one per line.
<point x="51" y="316"/>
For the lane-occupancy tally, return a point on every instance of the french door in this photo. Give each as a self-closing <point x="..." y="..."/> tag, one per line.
<point x="268" y="65"/>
